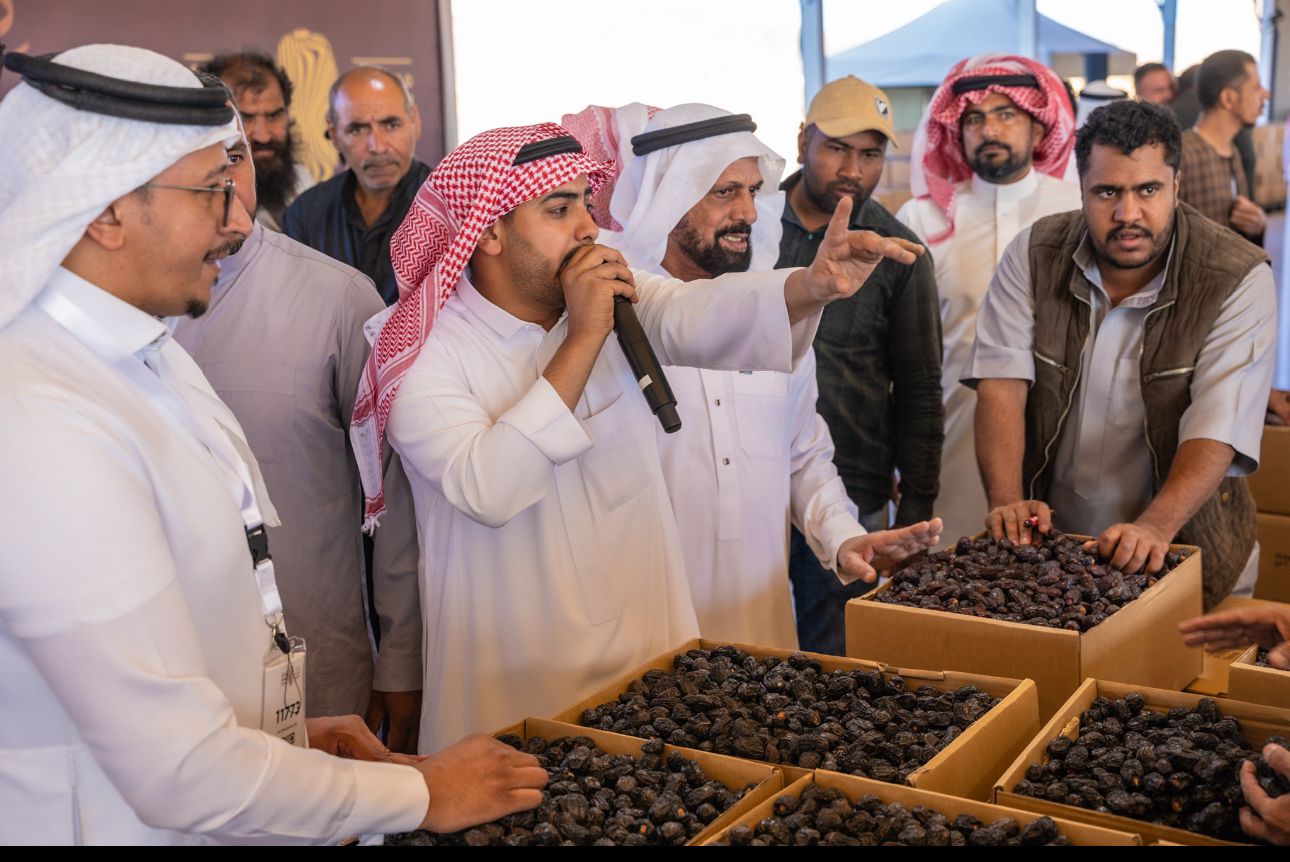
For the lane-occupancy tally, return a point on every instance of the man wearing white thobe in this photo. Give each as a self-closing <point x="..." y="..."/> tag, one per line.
<point x="698" y="199"/>
<point x="135" y="629"/>
<point x="988" y="162"/>
<point x="551" y="561"/>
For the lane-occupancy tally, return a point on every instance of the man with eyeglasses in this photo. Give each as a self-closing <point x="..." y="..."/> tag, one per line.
<point x="150" y="681"/>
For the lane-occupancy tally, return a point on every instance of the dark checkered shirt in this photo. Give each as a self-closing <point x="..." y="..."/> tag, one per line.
<point x="1211" y="182"/>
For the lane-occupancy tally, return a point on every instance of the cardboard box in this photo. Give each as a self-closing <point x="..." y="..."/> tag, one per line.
<point x="1213" y="679"/>
<point x="1251" y="683"/>
<point x="1258" y="723"/>
<point x="962" y="768"/>
<point x="950" y="806"/>
<point x="1270" y="485"/>
<point x="733" y="772"/>
<point x="1274" y="558"/>
<point x="1139" y="644"/>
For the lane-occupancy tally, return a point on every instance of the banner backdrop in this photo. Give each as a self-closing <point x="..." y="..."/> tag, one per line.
<point x="313" y="41"/>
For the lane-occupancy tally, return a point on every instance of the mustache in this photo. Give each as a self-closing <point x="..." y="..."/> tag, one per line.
<point x="1118" y="232"/>
<point x="990" y="143"/>
<point x="378" y="162"/>
<point x="739" y="228"/>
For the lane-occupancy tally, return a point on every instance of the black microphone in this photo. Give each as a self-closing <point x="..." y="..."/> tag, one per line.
<point x="645" y="367"/>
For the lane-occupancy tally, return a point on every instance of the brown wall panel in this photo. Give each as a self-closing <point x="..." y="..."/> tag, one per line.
<point x="312" y="39"/>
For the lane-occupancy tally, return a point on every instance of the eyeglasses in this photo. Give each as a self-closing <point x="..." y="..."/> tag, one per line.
<point x="227" y="190"/>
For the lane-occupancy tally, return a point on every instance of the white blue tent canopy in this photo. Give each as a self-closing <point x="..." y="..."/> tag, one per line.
<point x="923" y="51"/>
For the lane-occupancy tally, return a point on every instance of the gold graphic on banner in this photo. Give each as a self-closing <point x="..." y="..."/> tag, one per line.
<point x="7" y="15"/>
<point x="310" y="63"/>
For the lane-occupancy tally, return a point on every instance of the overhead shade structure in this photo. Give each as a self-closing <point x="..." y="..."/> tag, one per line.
<point x="922" y="52"/>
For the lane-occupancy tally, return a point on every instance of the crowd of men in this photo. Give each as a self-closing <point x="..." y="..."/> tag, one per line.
<point x="362" y="448"/>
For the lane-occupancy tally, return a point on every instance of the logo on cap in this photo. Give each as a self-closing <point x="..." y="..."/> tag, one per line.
<point x="883" y="110"/>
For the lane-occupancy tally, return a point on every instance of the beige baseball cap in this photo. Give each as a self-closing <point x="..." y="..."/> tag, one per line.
<point x="848" y="106"/>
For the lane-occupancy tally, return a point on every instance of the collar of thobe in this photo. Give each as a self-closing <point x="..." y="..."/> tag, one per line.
<point x="134" y="331"/>
<point x="232" y="267"/>
<point x="495" y="317"/>
<point x="1006" y="192"/>
<point x="1144" y="298"/>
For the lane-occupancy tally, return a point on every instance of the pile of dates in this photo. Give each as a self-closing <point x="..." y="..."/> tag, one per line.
<point x="792" y="711"/>
<point x="600" y="799"/>
<point x="824" y="816"/>
<point x="1055" y="583"/>
<point x="1179" y="768"/>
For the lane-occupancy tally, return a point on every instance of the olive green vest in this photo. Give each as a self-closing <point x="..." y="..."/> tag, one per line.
<point x="1208" y="263"/>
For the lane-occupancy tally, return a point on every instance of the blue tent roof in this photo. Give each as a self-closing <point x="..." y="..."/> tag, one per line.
<point x="922" y="52"/>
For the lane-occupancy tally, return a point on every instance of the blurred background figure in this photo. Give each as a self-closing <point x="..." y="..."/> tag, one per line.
<point x="263" y="93"/>
<point x="1153" y="82"/>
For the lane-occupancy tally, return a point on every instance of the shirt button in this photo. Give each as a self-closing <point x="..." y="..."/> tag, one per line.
<point x="718" y="402"/>
<point x="725" y="462"/>
<point x="1226" y="495"/>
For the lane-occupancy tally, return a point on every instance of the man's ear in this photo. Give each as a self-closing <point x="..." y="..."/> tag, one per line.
<point x="490" y="241"/>
<point x="803" y="138"/>
<point x="1038" y="131"/>
<point x="108" y="227"/>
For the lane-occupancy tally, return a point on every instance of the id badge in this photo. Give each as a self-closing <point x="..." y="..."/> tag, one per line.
<point x="283" y="713"/>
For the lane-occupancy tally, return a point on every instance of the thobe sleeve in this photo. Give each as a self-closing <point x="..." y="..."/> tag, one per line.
<point x="736" y="322"/>
<point x="105" y="621"/>
<point x="818" y="500"/>
<point x="1005" y="327"/>
<point x="396" y="592"/>
<point x="488" y="469"/>
<point x="1229" y="388"/>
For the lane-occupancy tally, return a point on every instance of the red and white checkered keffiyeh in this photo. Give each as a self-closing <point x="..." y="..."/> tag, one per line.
<point x="474" y="186"/>
<point x="606" y="134"/>
<point x="938" y="163"/>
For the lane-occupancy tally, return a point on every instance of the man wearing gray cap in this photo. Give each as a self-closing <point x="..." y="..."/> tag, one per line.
<point x="878" y="352"/>
<point x="151" y="690"/>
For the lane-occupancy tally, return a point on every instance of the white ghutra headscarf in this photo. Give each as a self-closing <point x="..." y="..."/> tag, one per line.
<point x="654" y="191"/>
<point x="60" y="167"/>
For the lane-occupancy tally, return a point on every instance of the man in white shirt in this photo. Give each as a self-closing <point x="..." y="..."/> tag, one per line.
<point x="988" y="161"/>
<point x="1123" y="359"/>
<point x="700" y="198"/>
<point x="550" y="558"/>
<point x="151" y="689"/>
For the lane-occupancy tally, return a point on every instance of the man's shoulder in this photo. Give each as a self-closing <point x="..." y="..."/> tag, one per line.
<point x="322" y="275"/>
<point x="316" y="199"/>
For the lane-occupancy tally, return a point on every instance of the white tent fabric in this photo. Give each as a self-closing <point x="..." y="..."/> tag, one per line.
<point x="922" y="52"/>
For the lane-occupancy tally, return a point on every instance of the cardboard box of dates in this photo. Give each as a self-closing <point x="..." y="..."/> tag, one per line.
<point x="886" y="826"/>
<point x="1137" y="642"/>
<point x="568" y="816"/>
<point x="1195" y="764"/>
<point x="1213" y="679"/>
<point x="963" y="767"/>
<point x="1250" y="679"/>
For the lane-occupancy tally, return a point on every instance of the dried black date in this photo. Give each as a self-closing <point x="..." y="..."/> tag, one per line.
<point x="1055" y="583"/>
<point x="794" y="712"/>
<point x="595" y="798"/>
<point x="834" y="820"/>
<point x="1179" y="768"/>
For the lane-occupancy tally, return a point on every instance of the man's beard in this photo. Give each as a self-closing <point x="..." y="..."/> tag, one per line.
<point x="196" y="308"/>
<point x="275" y="176"/>
<point x="827" y="200"/>
<point x="530" y="275"/>
<point x="998" y="170"/>
<point x="710" y="257"/>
